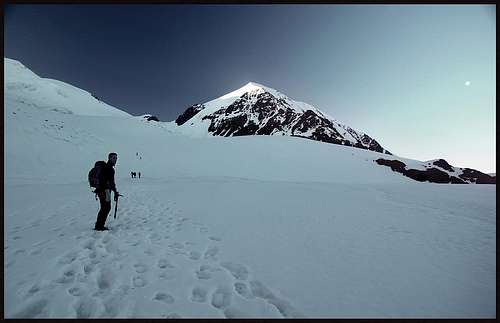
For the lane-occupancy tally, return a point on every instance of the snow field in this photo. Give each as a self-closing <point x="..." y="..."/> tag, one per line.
<point x="262" y="251"/>
<point x="155" y="262"/>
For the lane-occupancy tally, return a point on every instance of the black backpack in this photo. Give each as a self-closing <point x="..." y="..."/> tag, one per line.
<point x="95" y="172"/>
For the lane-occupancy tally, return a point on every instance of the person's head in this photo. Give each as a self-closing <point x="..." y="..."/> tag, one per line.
<point x="112" y="157"/>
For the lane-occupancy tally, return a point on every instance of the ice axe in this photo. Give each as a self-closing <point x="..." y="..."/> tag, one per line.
<point x="116" y="204"/>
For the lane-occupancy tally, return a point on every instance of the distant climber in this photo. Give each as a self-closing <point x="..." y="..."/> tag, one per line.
<point x="139" y="174"/>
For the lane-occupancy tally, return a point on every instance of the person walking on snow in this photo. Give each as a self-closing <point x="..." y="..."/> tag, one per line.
<point x="139" y="174"/>
<point x="106" y="185"/>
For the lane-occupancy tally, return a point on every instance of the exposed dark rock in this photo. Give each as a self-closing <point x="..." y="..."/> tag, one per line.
<point x="435" y="175"/>
<point x="226" y="127"/>
<point x="477" y="177"/>
<point x="416" y="174"/>
<point x="432" y="175"/>
<point x="456" y="180"/>
<point x="372" y="144"/>
<point x="395" y="165"/>
<point x="152" y="118"/>
<point x="247" y="130"/>
<point x="444" y="165"/>
<point x="189" y="113"/>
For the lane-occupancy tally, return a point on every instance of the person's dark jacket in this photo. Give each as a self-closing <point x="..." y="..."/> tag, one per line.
<point x="107" y="178"/>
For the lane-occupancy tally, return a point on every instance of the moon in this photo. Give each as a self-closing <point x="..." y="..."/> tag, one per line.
<point x="467" y="83"/>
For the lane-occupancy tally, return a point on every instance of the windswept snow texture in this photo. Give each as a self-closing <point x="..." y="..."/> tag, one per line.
<point x="255" y="109"/>
<point x="239" y="227"/>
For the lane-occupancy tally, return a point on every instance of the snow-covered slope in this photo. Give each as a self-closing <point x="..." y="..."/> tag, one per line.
<point x="253" y="226"/>
<point x="255" y="109"/>
<point x="22" y="85"/>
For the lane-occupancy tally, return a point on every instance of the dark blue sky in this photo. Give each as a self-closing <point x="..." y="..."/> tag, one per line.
<point x="162" y="58"/>
<point x="397" y="73"/>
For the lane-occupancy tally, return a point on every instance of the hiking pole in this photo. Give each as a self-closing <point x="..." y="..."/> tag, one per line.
<point x="116" y="204"/>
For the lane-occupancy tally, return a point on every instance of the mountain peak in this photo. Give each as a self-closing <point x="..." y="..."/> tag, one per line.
<point x="254" y="84"/>
<point x="255" y="109"/>
<point x="249" y="87"/>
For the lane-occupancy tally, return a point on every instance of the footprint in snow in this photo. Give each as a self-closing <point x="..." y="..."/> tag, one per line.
<point x="211" y="252"/>
<point x="82" y="278"/>
<point x="194" y="255"/>
<point x="259" y="290"/>
<point x="164" y="297"/>
<point x="89" y="244"/>
<point x="33" y="290"/>
<point x="105" y="279"/>
<point x="234" y="313"/>
<point x="88" y="268"/>
<point x="140" y="268"/>
<point x="238" y="271"/>
<point x="85" y="307"/>
<point x="75" y="291"/>
<point x="35" y="252"/>
<point x="67" y="258"/>
<point x="112" y="304"/>
<point x="176" y="245"/>
<point x="221" y="298"/>
<point x="199" y="295"/>
<point x="243" y="290"/>
<point x="139" y="281"/>
<point x="204" y="272"/>
<point x="214" y="238"/>
<point x="163" y="263"/>
<point x="284" y="307"/>
<point x="67" y="276"/>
